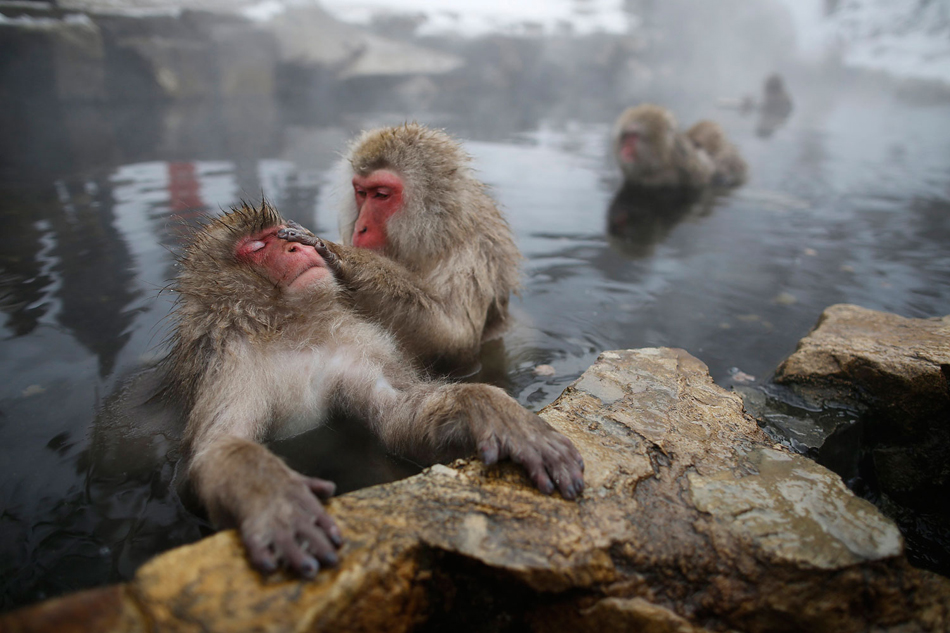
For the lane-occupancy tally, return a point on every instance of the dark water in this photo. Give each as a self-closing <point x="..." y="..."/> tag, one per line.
<point x="849" y="201"/>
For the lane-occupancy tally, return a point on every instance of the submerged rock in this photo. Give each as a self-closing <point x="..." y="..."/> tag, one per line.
<point x="692" y="520"/>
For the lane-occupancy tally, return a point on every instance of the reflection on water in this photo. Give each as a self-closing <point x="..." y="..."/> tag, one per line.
<point x="849" y="201"/>
<point x="638" y="219"/>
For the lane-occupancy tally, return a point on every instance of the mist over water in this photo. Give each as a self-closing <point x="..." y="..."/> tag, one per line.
<point x="848" y="201"/>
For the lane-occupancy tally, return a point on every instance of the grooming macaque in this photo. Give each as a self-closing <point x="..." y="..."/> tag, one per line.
<point x="266" y="345"/>
<point x="652" y="152"/>
<point x="425" y="252"/>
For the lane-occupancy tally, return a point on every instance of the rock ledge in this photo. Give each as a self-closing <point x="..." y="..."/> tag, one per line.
<point x="692" y="520"/>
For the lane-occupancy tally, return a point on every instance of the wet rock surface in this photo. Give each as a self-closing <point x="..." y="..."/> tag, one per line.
<point x="692" y="520"/>
<point x="899" y="366"/>
<point x="896" y="372"/>
<point x="866" y="393"/>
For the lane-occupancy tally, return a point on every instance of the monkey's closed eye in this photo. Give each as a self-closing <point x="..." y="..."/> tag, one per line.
<point x="380" y="195"/>
<point x="255" y="245"/>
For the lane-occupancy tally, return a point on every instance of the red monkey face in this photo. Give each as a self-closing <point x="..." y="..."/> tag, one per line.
<point x="290" y="265"/>
<point x="628" y="146"/>
<point x="378" y="196"/>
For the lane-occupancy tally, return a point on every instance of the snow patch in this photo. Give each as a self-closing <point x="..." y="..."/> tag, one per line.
<point x="908" y="38"/>
<point x="474" y="19"/>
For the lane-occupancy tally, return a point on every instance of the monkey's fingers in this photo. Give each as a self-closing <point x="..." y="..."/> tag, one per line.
<point x="331" y="259"/>
<point x="567" y="467"/>
<point x="489" y="449"/>
<point x="317" y="512"/>
<point x="294" y="555"/>
<point x="299" y="227"/>
<point x="326" y="523"/>
<point x="533" y="462"/>
<point x="317" y="543"/>
<point x="321" y="487"/>
<point x="260" y="553"/>
<point x="565" y="473"/>
<point x="297" y="234"/>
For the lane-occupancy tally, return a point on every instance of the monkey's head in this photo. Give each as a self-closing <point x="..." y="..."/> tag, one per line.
<point x="644" y="137"/>
<point x="708" y="135"/>
<point x="237" y="272"/>
<point x="774" y="85"/>
<point x="401" y="178"/>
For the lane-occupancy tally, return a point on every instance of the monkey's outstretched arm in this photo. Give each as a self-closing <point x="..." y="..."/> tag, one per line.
<point x="429" y="324"/>
<point x="244" y="485"/>
<point x="431" y="421"/>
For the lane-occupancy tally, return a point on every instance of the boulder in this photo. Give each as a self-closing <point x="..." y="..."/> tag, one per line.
<point x="692" y="520"/>
<point x="51" y="58"/>
<point x="899" y="366"/>
<point x="896" y="371"/>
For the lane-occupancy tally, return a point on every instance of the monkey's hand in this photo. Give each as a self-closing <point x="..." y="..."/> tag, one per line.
<point x="330" y="253"/>
<point x="287" y="525"/>
<point x="552" y="460"/>
<point x="293" y="232"/>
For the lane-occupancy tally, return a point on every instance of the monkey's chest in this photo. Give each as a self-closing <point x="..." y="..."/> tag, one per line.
<point x="300" y="385"/>
<point x="305" y="383"/>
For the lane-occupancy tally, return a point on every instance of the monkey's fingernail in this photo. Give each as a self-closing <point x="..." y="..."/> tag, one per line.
<point x="331" y="559"/>
<point x="267" y="566"/>
<point x="335" y="537"/>
<point x="309" y="568"/>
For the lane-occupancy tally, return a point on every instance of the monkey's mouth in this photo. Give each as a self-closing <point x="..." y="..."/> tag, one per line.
<point x="309" y="275"/>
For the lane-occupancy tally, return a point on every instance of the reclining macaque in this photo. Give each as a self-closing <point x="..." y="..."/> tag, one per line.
<point x="266" y="346"/>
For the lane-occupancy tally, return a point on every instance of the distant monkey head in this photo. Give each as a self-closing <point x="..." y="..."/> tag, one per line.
<point x="643" y="138"/>
<point x="774" y="84"/>
<point x="405" y="187"/>
<point x="709" y="136"/>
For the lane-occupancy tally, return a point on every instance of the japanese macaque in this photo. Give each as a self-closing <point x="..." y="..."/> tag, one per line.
<point x="775" y="99"/>
<point x="652" y="152"/>
<point x="776" y="106"/>
<point x="730" y="168"/>
<point x="425" y="251"/>
<point x="266" y="346"/>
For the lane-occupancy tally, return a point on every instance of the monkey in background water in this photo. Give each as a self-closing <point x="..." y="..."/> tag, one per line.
<point x="652" y="152"/>
<point x="265" y="345"/>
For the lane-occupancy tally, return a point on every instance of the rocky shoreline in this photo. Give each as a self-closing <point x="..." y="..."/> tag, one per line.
<point x="693" y="519"/>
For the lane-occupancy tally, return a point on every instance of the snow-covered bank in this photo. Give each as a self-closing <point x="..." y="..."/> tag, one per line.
<point x="473" y="19"/>
<point x="906" y="38"/>
<point x="903" y="37"/>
